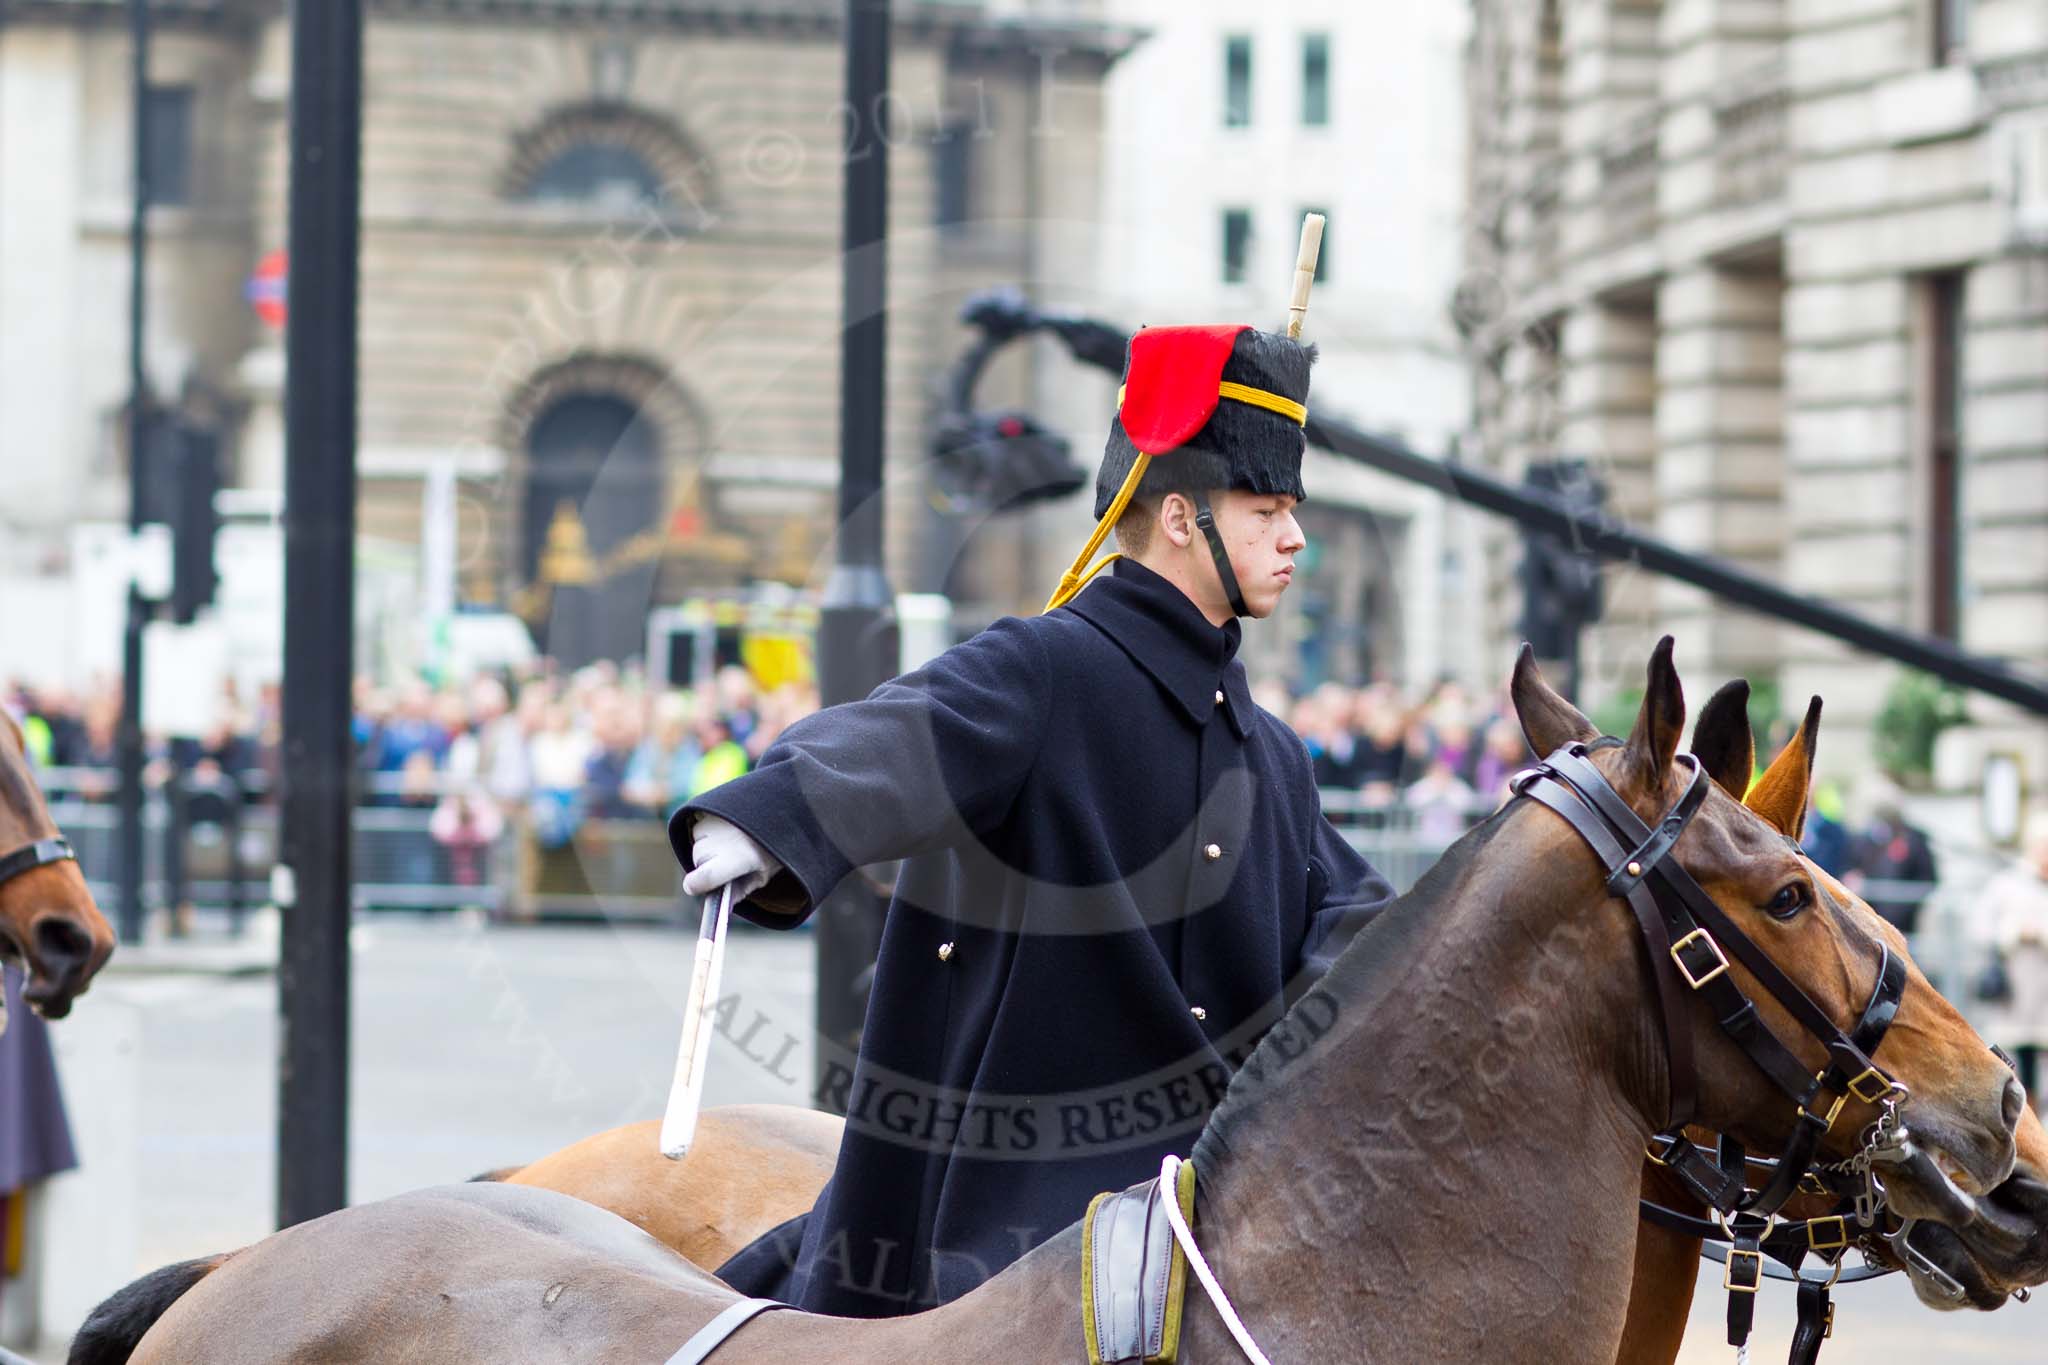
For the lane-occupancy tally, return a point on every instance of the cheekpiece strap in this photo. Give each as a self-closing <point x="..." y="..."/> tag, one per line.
<point x="1816" y="1322"/>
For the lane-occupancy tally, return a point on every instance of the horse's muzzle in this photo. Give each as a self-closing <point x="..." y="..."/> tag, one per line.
<point x="61" y="958"/>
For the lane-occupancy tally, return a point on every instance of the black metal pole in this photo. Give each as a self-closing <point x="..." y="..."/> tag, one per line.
<point x="128" y="741"/>
<point x="319" y="575"/>
<point x="856" y="634"/>
<point x="1601" y="535"/>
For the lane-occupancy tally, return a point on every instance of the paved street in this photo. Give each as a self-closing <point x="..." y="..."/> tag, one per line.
<point x="473" y="1050"/>
<point x="477" y="1048"/>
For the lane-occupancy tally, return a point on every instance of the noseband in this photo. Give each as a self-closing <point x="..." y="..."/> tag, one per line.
<point x="41" y="853"/>
<point x="1691" y="941"/>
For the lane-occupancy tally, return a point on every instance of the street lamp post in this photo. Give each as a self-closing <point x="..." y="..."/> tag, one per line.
<point x="856" y="629"/>
<point x="128" y="739"/>
<point x="312" y="884"/>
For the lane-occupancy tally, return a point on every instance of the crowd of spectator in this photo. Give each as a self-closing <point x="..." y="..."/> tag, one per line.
<point x="595" y="744"/>
<point x="1444" y="757"/>
<point x="554" y="748"/>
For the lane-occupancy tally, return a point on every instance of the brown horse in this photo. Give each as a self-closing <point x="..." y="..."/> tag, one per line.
<point x="1433" y="1157"/>
<point x="757" y="1165"/>
<point x="49" y="924"/>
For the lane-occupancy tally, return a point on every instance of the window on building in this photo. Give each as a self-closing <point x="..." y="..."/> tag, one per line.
<point x="1237" y="82"/>
<point x="603" y="173"/>
<point x="954" y="171"/>
<point x="1944" y="444"/>
<point x="1237" y="244"/>
<point x="1315" y="80"/>
<point x="611" y="160"/>
<point x="167" y="143"/>
<point x="1951" y="30"/>
<point x="1323" y="257"/>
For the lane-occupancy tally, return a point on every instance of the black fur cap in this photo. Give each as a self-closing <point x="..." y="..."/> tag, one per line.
<point x="1242" y="446"/>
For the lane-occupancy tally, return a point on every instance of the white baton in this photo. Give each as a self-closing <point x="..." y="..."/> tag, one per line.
<point x="679" y="1124"/>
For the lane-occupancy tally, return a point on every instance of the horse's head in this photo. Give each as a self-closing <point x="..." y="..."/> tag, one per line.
<point x="1961" y="1107"/>
<point x="48" y="921"/>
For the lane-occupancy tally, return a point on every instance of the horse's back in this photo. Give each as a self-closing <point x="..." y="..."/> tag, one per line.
<point x="457" y="1273"/>
<point x="751" y="1168"/>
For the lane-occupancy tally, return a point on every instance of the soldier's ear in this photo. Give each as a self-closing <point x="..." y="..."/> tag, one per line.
<point x="1177" y="519"/>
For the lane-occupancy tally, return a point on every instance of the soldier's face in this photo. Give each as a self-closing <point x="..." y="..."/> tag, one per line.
<point x="1262" y="536"/>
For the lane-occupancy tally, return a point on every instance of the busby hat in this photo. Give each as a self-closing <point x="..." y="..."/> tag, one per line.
<point x="1228" y="403"/>
<point x="1205" y="408"/>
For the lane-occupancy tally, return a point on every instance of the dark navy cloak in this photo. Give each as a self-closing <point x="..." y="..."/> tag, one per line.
<point x="1116" y="876"/>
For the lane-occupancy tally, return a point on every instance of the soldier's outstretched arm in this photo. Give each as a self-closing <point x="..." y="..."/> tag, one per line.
<point x="926" y="760"/>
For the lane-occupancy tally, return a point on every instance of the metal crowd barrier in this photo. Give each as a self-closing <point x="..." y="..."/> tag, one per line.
<point x="1399" y="840"/>
<point x="228" y="845"/>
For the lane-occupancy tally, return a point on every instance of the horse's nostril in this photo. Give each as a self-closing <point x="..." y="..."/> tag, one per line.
<point x="61" y="945"/>
<point x="2015" y="1102"/>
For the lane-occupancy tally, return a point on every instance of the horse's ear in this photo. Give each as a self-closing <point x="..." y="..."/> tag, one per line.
<point x="1779" y="796"/>
<point x="1660" y="725"/>
<point x="1549" y="722"/>
<point x="1721" y="739"/>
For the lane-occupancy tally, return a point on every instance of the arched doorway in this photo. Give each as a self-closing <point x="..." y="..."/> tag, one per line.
<point x="593" y="483"/>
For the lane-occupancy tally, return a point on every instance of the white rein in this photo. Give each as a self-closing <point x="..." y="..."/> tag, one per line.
<point x="1169" y="1187"/>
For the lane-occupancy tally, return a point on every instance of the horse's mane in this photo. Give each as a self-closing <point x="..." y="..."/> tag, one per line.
<point x="1384" y="946"/>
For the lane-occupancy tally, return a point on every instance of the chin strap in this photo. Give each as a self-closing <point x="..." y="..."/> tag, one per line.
<point x="1206" y="520"/>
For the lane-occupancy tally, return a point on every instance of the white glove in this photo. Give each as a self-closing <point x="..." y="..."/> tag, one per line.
<point x="725" y="856"/>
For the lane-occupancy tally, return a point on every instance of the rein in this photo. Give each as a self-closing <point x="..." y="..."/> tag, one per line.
<point x="1169" y="1176"/>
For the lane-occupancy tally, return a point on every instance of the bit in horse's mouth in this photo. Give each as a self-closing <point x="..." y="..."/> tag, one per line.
<point x="1957" y="1176"/>
<point x="1963" y="1208"/>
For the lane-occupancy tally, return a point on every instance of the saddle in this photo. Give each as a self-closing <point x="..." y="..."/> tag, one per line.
<point x="1134" y="1276"/>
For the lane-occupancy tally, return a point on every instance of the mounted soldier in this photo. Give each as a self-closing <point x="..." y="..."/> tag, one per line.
<point x="1116" y="871"/>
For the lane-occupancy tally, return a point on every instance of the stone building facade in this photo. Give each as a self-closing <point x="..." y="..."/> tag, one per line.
<point x="1777" y="268"/>
<point x="600" y="283"/>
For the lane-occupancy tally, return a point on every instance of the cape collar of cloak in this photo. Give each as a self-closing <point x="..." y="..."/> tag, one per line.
<point x="1166" y="635"/>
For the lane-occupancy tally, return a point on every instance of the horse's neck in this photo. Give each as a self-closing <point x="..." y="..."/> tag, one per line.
<point x="1448" y="1169"/>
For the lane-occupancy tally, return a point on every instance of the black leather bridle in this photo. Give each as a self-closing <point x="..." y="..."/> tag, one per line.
<point x="1691" y="941"/>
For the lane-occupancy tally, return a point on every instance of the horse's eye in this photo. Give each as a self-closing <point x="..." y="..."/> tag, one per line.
<point x="1790" y="900"/>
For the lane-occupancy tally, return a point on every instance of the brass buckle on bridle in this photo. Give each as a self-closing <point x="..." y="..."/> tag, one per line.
<point x="1838" y="1242"/>
<point x="1755" y="1274"/>
<point x="1889" y="1091"/>
<point x="1887" y="1088"/>
<point x="1699" y="979"/>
